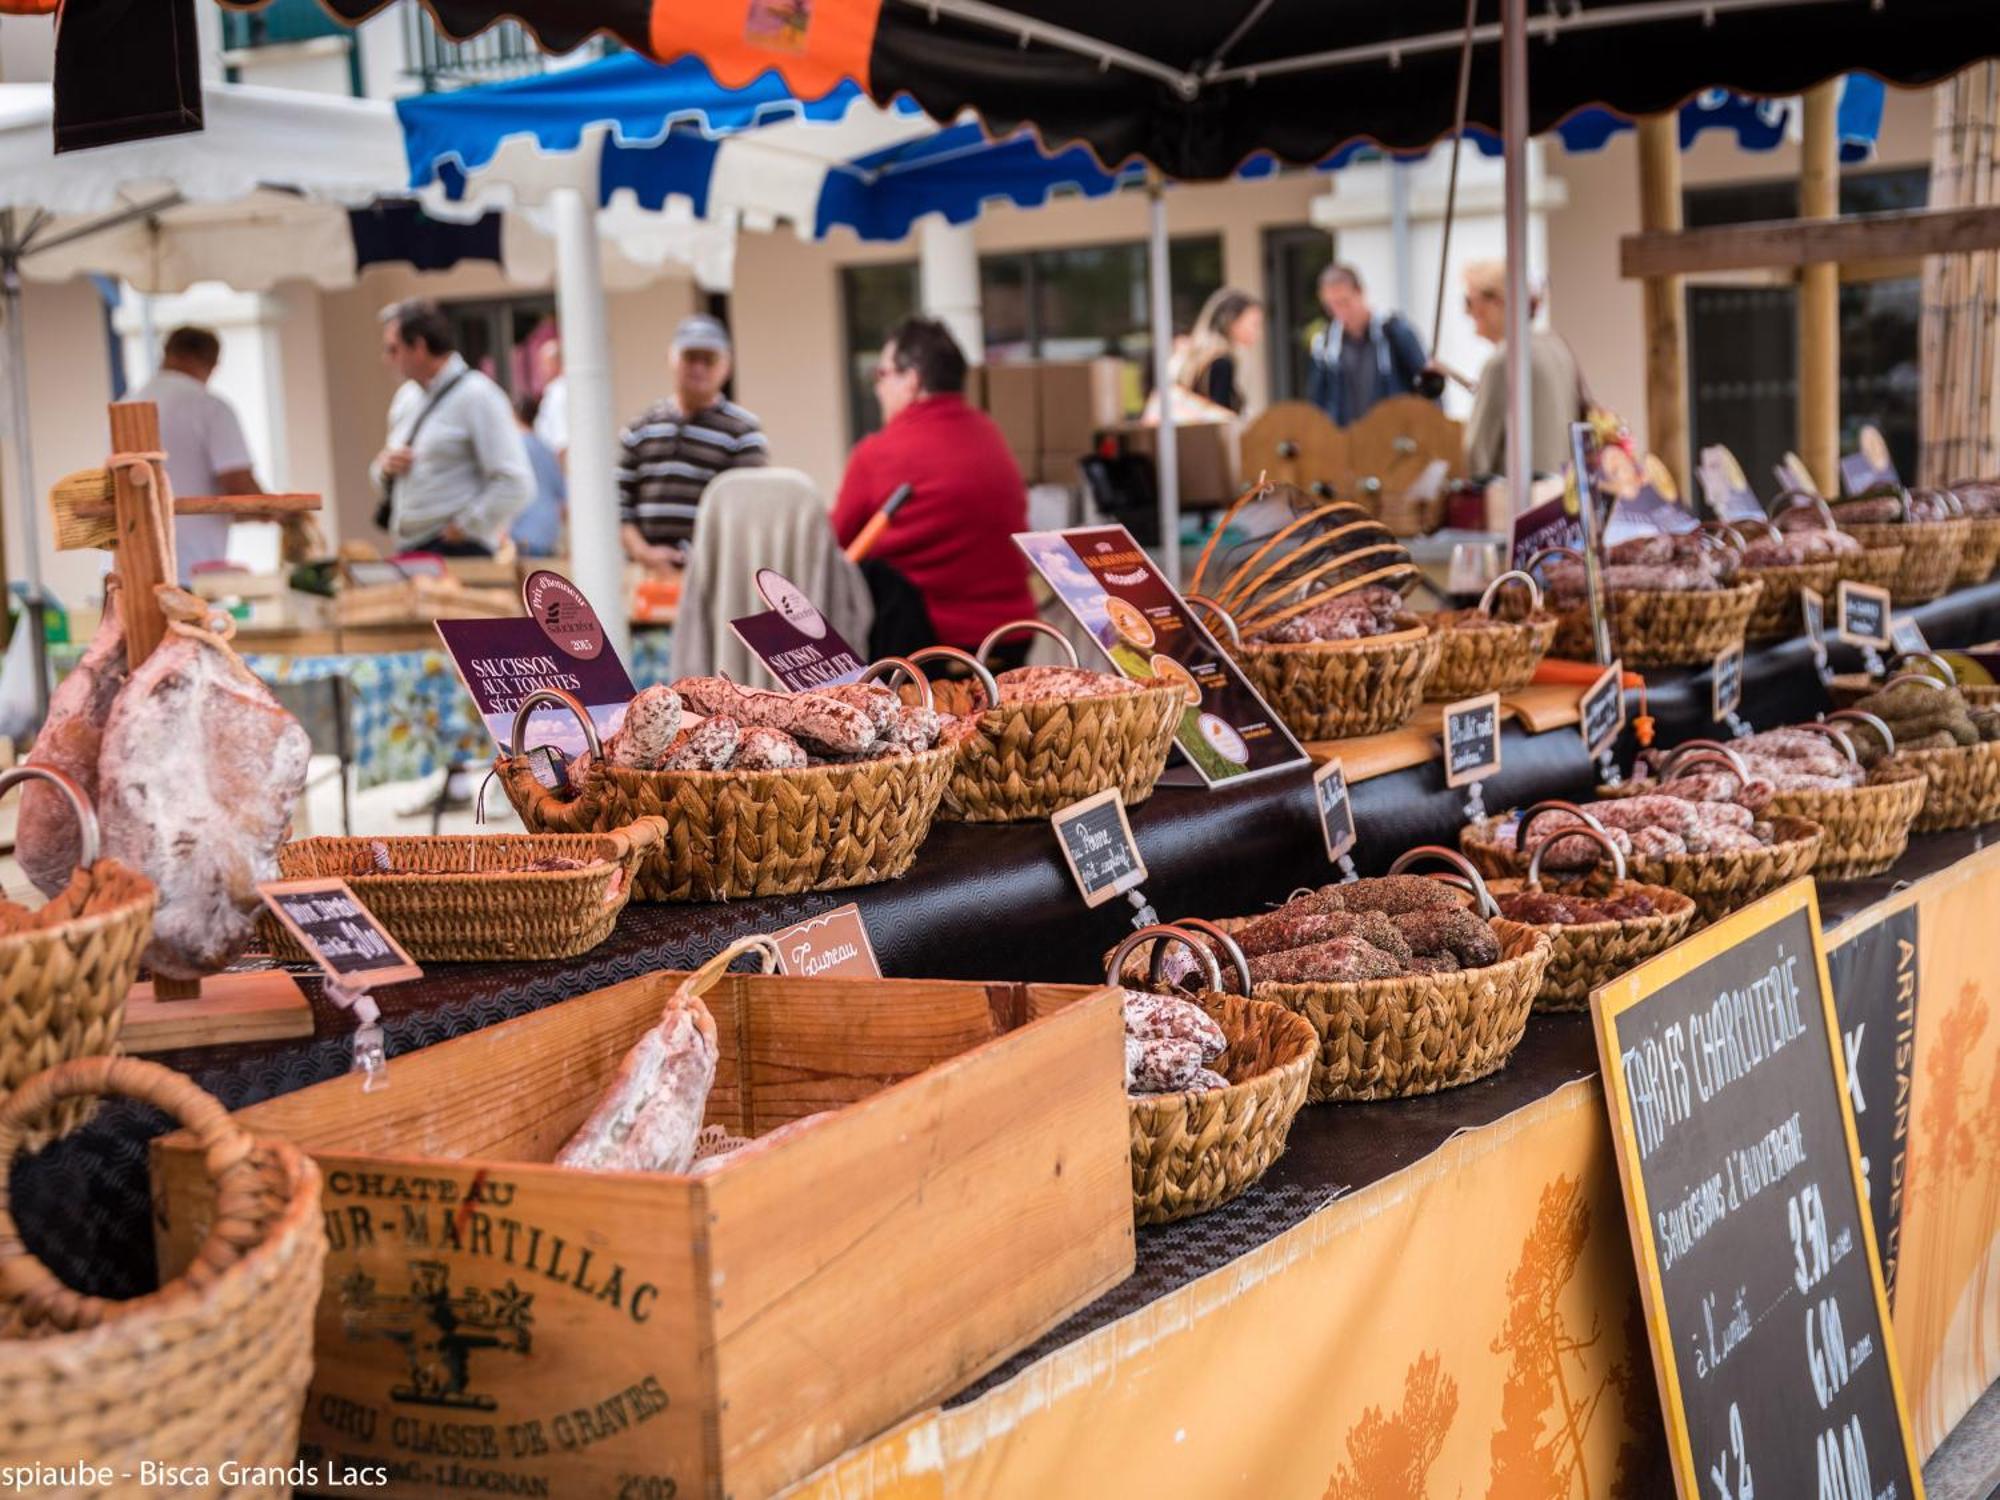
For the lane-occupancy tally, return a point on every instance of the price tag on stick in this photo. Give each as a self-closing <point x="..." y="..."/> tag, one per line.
<point x="1861" y="613"/>
<point x="1603" y="711"/>
<point x="832" y="945"/>
<point x="1758" y="1268"/>
<point x="1907" y="636"/>
<point x="1097" y="844"/>
<point x="1814" y="609"/>
<point x="1725" y="679"/>
<point x="340" y="934"/>
<point x="1336" y="809"/>
<point x="1472" y="739"/>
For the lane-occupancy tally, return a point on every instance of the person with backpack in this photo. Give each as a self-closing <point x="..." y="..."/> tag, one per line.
<point x="1359" y="359"/>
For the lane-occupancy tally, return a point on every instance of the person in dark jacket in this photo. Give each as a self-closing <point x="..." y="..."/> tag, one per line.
<point x="1359" y="359"/>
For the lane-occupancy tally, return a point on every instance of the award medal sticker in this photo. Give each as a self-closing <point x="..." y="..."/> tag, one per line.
<point x="1168" y="670"/>
<point x="566" y="618"/>
<point x="1130" y="622"/>
<point x="789" y="600"/>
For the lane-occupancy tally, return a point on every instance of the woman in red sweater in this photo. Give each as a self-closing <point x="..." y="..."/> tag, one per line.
<point x="953" y="538"/>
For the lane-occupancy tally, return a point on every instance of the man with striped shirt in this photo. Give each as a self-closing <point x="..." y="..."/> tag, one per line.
<point x="680" y="444"/>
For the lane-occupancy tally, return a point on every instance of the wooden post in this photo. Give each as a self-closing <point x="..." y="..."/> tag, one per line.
<point x="145" y="529"/>
<point x="1819" y="295"/>
<point x="1666" y="322"/>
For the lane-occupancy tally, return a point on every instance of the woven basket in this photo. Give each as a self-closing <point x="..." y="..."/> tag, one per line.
<point x="1975" y="694"/>
<point x="1717" y="883"/>
<point x="470" y="900"/>
<point x="1196" y="1151"/>
<point x="1028" y="760"/>
<point x="1584" y="955"/>
<point x="1664" y="628"/>
<point x="1338" y="690"/>
<point x="1964" y="785"/>
<point x="1931" y="551"/>
<point x="1877" y="566"/>
<point x="1496" y="658"/>
<point x="735" y="834"/>
<point x="212" y="1366"/>
<point x="1777" y="614"/>
<point x="1417" y="1033"/>
<point x="1866" y="828"/>
<point x="1981" y="554"/>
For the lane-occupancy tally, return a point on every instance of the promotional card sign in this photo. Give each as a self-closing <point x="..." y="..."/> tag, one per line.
<point x="1553" y="523"/>
<point x="1106" y="580"/>
<point x="1758" y="1267"/>
<point x="1722" y="484"/>
<point x="1336" y="809"/>
<point x="1472" y="739"/>
<point x="1861" y="613"/>
<point x="1725" y="679"/>
<point x="1871" y="467"/>
<point x="794" y="640"/>
<point x="832" y="945"/>
<point x="340" y="933"/>
<point x="1097" y="844"/>
<point x="502" y="661"/>
<point x="566" y="617"/>
<point x="1814" y="609"/>
<point x="1645" y="499"/>
<point x="1792" y="474"/>
<point x="1603" y="711"/>
<point x="1907" y="636"/>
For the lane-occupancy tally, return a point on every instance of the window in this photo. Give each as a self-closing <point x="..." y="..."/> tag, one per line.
<point x="499" y="336"/>
<point x="1743" y="340"/>
<point x="873" y="300"/>
<point x="1294" y="255"/>
<point x="1082" y="301"/>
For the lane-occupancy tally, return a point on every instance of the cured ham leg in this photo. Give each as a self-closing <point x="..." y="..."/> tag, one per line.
<point x="649" y="1118"/>
<point x="72" y="736"/>
<point x="200" y="770"/>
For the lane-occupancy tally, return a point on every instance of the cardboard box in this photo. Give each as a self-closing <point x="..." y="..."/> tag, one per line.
<point x="1208" y="452"/>
<point x="964" y="1184"/>
<point x="1013" y="400"/>
<point x="1079" y="399"/>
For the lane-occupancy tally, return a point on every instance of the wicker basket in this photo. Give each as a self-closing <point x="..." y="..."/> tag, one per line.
<point x="1500" y="657"/>
<point x="467" y="898"/>
<point x="1982" y="552"/>
<point x="1777" y="614"/>
<point x="1876" y="566"/>
<point x="1194" y="1152"/>
<point x="1028" y="760"/>
<point x="735" y="834"/>
<point x="1664" y="628"/>
<point x="1337" y="690"/>
<point x="212" y="1366"/>
<point x="1584" y="955"/>
<point x="1866" y="828"/>
<point x="1417" y="1033"/>
<point x="1964" y="785"/>
<point x="1717" y="883"/>
<point x="1975" y="694"/>
<point x="1931" y="552"/>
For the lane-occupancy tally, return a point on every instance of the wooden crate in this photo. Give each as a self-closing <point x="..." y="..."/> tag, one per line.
<point x="493" y="1322"/>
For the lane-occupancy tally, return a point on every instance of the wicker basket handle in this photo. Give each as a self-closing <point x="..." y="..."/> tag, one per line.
<point x="1016" y="627"/>
<point x="1924" y="677"/>
<point x="79" y="801"/>
<point x="987" y="683"/>
<point x="1216" y="612"/>
<point x="1714" y="749"/>
<point x="1730" y="763"/>
<point x="637" y="836"/>
<point x="1161" y="933"/>
<point x="1541" y="809"/>
<point x="1950" y="504"/>
<point x="1839" y="737"/>
<point x="226" y="1153"/>
<point x="557" y="698"/>
<point x="1862" y="716"/>
<point x="1738" y="525"/>
<point x="1597" y="835"/>
<point x="1231" y="949"/>
<point x="1512" y="575"/>
<point x="1470" y="877"/>
<point x="702" y="980"/>
<point x="889" y="666"/>
<point x="1533" y="565"/>
<point x="1792" y="500"/>
<point x="1931" y="657"/>
<point x="1722" y="539"/>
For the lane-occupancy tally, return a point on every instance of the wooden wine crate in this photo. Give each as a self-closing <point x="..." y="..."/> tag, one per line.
<point x="491" y="1323"/>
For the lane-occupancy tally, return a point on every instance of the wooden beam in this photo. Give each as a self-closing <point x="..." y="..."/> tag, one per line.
<point x="145" y="532"/>
<point x="1790" y="244"/>
<point x="1666" y="321"/>
<point x="1819" y="294"/>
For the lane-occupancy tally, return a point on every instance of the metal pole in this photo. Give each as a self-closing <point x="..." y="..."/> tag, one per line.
<point x="1167" y="465"/>
<point x="597" y="558"/>
<point x="24" y="460"/>
<point x="1520" y="317"/>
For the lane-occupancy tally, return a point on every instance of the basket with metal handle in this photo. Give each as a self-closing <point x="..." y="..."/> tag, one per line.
<point x="212" y="1366"/>
<point x="1866" y="827"/>
<point x="1333" y="690"/>
<point x="1197" y="1150"/>
<point x="1483" y="652"/>
<point x="1964" y="779"/>
<point x="66" y="967"/>
<point x="734" y="834"/>
<point x="1932" y="551"/>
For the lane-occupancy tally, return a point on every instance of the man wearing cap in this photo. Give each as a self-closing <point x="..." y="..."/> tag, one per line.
<point x="680" y="444"/>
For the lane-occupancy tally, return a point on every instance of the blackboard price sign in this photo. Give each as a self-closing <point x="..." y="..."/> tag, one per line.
<point x="1907" y="636"/>
<point x="1725" y="679"/>
<point x="1814" y="608"/>
<point x="1861" y="611"/>
<point x="1603" y="711"/>
<point x="1742" y="1180"/>
<point x="1336" y="809"/>
<point x="1097" y="845"/>
<point x="1471" y="739"/>
<point x="340" y="933"/>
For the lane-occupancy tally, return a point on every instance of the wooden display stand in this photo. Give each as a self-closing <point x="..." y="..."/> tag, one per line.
<point x="131" y="492"/>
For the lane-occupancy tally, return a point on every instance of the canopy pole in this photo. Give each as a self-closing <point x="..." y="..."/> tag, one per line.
<point x="25" y="499"/>
<point x="597" y="557"/>
<point x="1520" y="315"/>
<point x="1167" y="460"/>
<point x="1819" y="294"/>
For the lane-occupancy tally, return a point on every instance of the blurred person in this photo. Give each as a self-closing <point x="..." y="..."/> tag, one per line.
<point x="552" y="418"/>
<point x="1359" y="359"/>
<point x="953" y="538"/>
<point x="537" y="531"/>
<point x="1555" y="385"/>
<point x="203" y="441"/>
<point x="455" y="472"/>
<point x="681" y="443"/>
<point x="1231" y="323"/>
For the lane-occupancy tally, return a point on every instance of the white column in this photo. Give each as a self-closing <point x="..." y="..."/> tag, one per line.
<point x="948" y="283"/>
<point x="1167" y="464"/>
<point x="597" y="560"/>
<point x="1520" y="316"/>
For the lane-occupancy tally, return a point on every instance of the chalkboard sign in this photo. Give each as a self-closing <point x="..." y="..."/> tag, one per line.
<point x="1814" y="608"/>
<point x="1861" y="611"/>
<point x="1907" y="636"/>
<point x="1756" y="1255"/>
<point x="1471" y="739"/>
<point x="1097" y="844"/>
<point x="1336" y="809"/>
<point x="1603" y="711"/>
<point x="1725" y="679"/>
<point x="340" y="933"/>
